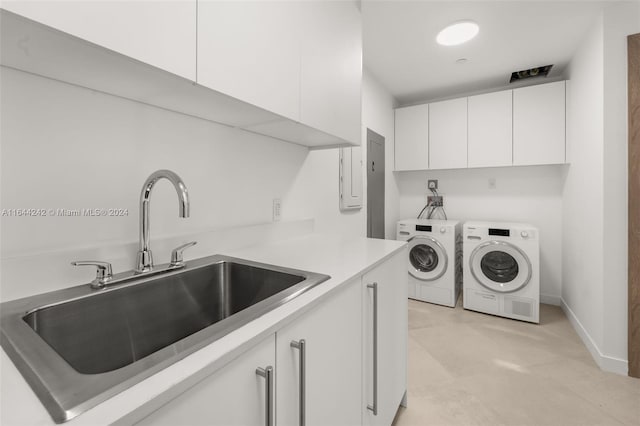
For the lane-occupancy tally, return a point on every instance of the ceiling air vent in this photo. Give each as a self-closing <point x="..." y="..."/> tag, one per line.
<point x="532" y="72"/>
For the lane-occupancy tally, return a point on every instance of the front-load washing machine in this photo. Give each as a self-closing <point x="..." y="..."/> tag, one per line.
<point x="435" y="259"/>
<point x="502" y="269"/>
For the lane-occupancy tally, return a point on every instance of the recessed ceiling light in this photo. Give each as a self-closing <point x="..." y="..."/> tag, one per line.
<point x="457" y="33"/>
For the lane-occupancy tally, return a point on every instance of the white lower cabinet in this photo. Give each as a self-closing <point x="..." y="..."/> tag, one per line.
<point x="235" y="395"/>
<point x="385" y="316"/>
<point x="327" y="368"/>
<point x="320" y="378"/>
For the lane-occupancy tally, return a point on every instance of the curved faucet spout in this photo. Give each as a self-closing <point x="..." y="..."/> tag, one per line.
<point x="145" y="259"/>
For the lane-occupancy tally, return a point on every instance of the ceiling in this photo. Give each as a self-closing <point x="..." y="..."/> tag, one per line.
<point x="401" y="52"/>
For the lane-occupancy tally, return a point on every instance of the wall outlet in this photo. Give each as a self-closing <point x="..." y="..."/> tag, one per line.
<point x="432" y="184"/>
<point x="436" y="200"/>
<point x="277" y="209"/>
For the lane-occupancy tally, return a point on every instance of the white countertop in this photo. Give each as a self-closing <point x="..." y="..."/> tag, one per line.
<point x="343" y="258"/>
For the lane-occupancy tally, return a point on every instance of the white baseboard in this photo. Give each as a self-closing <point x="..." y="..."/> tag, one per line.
<point x="549" y="299"/>
<point x="605" y="362"/>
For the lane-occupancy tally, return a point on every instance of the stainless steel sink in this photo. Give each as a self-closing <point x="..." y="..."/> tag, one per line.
<point x="80" y="346"/>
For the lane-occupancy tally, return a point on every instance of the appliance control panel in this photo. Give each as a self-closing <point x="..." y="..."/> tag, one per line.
<point x="513" y="232"/>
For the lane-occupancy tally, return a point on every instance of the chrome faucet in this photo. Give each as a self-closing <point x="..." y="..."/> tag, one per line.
<point x="145" y="259"/>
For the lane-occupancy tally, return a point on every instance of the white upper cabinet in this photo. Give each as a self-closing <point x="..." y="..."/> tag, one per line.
<point x="159" y="33"/>
<point x="331" y="67"/>
<point x="301" y="60"/>
<point x="490" y="130"/>
<point x="539" y="124"/>
<point x="412" y="138"/>
<point x="519" y="127"/>
<point x="251" y="50"/>
<point x="448" y="134"/>
<point x="291" y="70"/>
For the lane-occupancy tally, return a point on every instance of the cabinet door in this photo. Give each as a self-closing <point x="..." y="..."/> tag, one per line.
<point x="490" y="130"/>
<point x="539" y="124"/>
<point x="233" y="395"/>
<point x="391" y="345"/>
<point x="448" y="134"/>
<point x="160" y="33"/>
<point x="332" y="337"/>
<point x="412" y="138"/>
<point x="251" y="50"/>
<point x="350" y="178"/>
<point x="331" y="80"/>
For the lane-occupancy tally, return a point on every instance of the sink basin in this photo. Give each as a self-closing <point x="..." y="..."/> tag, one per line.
<point x="79" y="346"/>
<point x="99" y="334"/>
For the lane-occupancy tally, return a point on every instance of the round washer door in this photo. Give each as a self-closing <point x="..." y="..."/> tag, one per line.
<point x="500" y="266"/>
<point x="427" y="258"/>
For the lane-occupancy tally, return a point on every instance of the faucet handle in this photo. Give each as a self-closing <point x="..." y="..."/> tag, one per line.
<point x="104" y="272"/>
<point x="176" y="254"/>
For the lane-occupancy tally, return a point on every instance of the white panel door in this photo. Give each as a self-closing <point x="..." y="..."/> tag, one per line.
<point x="251" y="50"/>
<point x="350" y="178"/>
<point x="392" y="309"/>
<point x="490" y="129"/>
<point x="539" y="124"/>
<point x="412" y="138"/>
<point x="448" y="134"/>
<point x="332" y="335"/>
<point x="331" y="80"/>
<point x="232" y="396"/>
<point x="160" y="33"/>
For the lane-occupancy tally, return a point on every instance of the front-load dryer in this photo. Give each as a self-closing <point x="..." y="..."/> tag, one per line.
<point x="435" y="259"/>
<point x="502" y="269"/>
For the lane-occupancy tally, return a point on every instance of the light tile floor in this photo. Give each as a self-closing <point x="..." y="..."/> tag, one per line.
<point x="467" y="368"/>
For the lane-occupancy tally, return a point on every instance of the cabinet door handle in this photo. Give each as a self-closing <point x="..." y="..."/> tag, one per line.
<point x="301" y="346"/>
<point x="267" y="373"/>
<point x="374" y="407"/>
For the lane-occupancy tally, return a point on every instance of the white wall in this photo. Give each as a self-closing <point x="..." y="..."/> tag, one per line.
<point x="583" y="192"/>
<point x="315" y="192"/>
<point x="521" y="194"/>
<point x="595" y="196"/>
<point x="619" y="21"/>
<point x="68" y="147"/>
